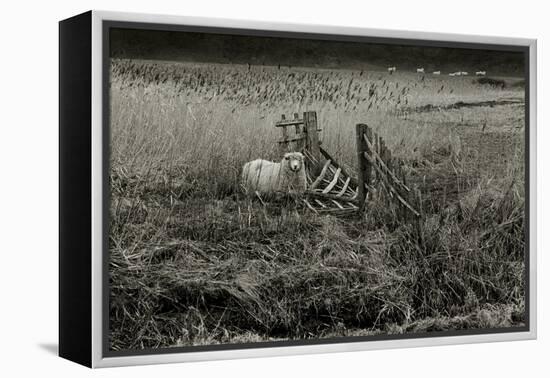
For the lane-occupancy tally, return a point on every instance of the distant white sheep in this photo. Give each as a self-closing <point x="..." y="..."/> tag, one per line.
<point x="392" y="69"/>
<point x="437" y="72"/>
<point x="420" y="70"/>
<point x="267" y="177"/>
<point x="464" y="73"/>
<point x="481" y="73"/>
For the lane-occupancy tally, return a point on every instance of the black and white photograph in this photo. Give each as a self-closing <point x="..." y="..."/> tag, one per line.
<point x="275" y="189"/>
<point x="292" y="189"/>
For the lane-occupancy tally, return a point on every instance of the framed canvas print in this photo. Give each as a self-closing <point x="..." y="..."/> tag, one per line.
<point x="235" y="189"/>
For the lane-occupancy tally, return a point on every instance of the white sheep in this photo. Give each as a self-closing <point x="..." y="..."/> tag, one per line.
<point x="420" y="70"/>
<point x="267" y="177"/>
<point x="437" y="72"/>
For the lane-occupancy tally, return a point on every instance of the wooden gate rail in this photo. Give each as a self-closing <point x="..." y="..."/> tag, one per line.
<point x="375" y="168"/>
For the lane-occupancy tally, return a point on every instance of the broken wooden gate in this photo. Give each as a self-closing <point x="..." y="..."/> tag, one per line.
<point x="331" y="188"/>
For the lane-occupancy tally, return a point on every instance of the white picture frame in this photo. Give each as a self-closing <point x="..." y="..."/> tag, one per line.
<point x="91" y="262"/>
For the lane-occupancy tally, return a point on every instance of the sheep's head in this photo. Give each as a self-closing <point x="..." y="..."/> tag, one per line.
<point x="294" y="161"/>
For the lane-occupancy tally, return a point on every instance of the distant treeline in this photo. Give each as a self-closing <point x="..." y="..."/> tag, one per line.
<point x="284" y="52"/>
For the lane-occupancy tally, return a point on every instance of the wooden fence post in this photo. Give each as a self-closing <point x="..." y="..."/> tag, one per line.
<point x="368" y="166"/>
<point x="363" y="176"/>
<point x="297" y="128"/>
<point x="298" y="131"/>
<point x="284" y="145"/>
<point x="312" y="141"/>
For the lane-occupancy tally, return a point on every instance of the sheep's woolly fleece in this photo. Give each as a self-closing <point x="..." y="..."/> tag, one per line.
<point x="267" y="177"/>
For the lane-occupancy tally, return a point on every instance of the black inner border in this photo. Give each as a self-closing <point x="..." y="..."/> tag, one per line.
<point x="107" y="25"/>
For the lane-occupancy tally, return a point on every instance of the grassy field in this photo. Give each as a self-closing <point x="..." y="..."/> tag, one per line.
<point x="195" y="262"/>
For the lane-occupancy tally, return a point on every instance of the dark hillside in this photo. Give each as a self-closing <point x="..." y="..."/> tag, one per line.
<point x="216" y="48"/>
